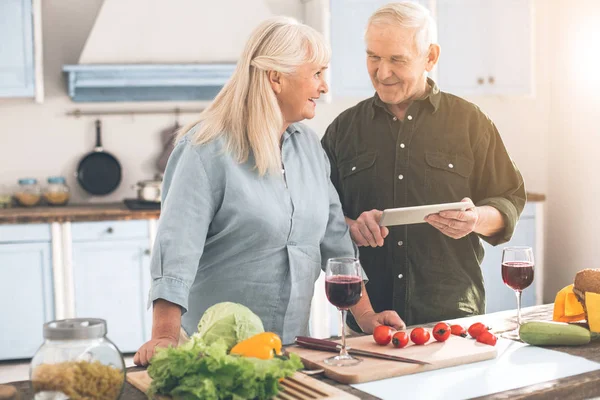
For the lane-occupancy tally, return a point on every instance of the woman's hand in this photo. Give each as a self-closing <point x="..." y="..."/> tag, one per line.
<point x="166" y="326"/>
<point x="145" y="353"/>
<point x="370" y="320"/>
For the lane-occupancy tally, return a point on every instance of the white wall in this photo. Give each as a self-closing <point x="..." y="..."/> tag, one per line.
<point x="574" y="138"/>
<point x="552" y="136"/>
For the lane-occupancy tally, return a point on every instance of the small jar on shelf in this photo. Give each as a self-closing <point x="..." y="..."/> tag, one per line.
<point x="28" y="194"/>
<point x="5" y="197"/>
<point x="56" y="193"/>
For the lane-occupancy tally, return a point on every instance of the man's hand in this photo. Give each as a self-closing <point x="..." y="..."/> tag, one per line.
<point x="365" y="231"/>
<point x="145" y="353"/>
<point x="370" y="320"/>
<point x="455" y="224"/>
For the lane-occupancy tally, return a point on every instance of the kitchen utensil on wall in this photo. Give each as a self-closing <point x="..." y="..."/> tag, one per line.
<point x="99" y="172"/>
<point x="167" y="137"/>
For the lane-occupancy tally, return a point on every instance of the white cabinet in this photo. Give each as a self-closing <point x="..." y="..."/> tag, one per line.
<point x="25" y="288"/>
<point x="487" y="47"/>
<point x="20" y="49"/>
<point x="111" y="275"/>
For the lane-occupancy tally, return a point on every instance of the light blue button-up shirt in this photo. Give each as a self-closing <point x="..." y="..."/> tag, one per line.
<point x="227" y="234"/>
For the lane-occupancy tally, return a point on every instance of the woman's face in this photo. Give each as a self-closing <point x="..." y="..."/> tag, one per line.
<point x="296" y="93"/>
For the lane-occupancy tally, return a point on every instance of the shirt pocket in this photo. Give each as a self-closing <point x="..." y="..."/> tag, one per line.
<point x="447" y="177"/>
<point x="358" y="176"/>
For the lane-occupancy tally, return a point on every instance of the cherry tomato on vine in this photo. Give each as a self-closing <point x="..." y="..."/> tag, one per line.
<point x="400" y="339"/>
<point x="419" y="336"/>
<point x="383" y="334"/>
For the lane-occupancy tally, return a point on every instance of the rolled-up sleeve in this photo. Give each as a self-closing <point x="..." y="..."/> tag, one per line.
<point x="187" y="210"/>
<point x="337" y="241"/>
<point x="498" y="183"/>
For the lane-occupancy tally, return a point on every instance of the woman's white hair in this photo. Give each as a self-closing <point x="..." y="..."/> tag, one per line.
<point x="246" y="111"/>
<point x="408" y="15"/>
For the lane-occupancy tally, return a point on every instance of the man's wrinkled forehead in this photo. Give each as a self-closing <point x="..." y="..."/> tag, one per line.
<point x="390" y="41"/>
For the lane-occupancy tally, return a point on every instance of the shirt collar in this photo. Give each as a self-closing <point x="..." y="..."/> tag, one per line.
<point x="432" y="98"/>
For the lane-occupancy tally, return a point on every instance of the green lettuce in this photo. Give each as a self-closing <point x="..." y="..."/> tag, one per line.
<point x="230" y="322"/>
<point x="198" y="370"/>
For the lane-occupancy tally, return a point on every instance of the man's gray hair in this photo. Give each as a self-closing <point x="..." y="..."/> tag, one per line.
<point x="409" y="15"/>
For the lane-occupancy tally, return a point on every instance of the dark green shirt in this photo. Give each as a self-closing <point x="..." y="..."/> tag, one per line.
<point x="445" y="149"/>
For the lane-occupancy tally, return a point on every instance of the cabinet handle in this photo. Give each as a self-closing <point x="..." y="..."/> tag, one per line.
<point x="480" y="81"/>
<point x="147" y="252"/>
<point x="491" y="80"/>
<point x="109" y="230"/>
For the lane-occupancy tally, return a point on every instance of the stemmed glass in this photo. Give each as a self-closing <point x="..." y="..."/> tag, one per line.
<point x="343" y="286"/>
<point x="517" y="274"/>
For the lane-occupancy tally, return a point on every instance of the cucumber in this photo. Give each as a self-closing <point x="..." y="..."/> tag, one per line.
<point x="550" y="333"/>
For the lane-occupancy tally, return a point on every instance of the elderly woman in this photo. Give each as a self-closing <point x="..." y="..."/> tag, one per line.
<point x="249" y="214"/>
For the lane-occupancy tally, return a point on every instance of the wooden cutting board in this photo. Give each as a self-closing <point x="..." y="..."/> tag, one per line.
<point x="455" y="351"/>
<point x="297" y="387"/>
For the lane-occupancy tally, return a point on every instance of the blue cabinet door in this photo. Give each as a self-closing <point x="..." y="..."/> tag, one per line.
<point x="500" y="297"/>
<point x="27" y="297"/>
<point x="16" y="49"/>
<point x="349" y="77"/>
<point x="111" y="282"/>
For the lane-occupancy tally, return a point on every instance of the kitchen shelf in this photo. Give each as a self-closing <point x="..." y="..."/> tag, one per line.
<point x="146" y="82"/>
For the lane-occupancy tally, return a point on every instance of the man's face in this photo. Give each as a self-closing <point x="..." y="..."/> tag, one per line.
<point x="396" y="68"/>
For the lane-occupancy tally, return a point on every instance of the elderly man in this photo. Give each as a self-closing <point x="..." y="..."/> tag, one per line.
<point x="412" y="144"/>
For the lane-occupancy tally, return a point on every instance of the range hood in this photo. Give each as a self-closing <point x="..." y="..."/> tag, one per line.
<point x="162" y="50"/>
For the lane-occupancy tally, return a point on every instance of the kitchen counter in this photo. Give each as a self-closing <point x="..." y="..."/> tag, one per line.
<point x="74" y="213"/>
<point x="575" y="387"/>
<point x="101" y="212"/>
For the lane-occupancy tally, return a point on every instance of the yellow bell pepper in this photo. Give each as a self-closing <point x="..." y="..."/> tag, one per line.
<point x="566" y="306"/>
<point x="263" y="345"/>
<point x="592" y="304"/>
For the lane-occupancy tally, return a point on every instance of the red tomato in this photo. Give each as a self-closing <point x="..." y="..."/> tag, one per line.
<point x="458" y="330"/>
<point x="441" y="331"/>
<point x="487" y="337"/>
<point x="419" y="336"/>
<point x="383" y="334"/>
<point x="400" y="339"/>
<point x="477" y="329"/>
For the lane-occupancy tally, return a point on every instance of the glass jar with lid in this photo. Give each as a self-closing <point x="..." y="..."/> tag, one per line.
<point x="56" y="193"/>
<point x="77" y="361"/>
<point x="28" y="194"/>
<point x="5" y="197"/>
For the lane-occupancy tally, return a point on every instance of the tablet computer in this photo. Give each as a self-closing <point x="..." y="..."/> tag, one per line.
<point x="417" y="214"/>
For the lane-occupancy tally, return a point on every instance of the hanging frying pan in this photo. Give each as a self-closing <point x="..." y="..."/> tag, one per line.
<point x="99" y="172"/>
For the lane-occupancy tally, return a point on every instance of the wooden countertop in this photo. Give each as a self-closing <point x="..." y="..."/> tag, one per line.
<point x="74" y="213"/>
<point x="101" y="212"/>
<point x="581" y="386"/>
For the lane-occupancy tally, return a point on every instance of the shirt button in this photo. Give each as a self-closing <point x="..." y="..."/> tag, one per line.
<point x="400" y="276"/>
<point x="402" y="145"/>
<point x="400" y="243"/>
<point x="353" y="168"/>
<point x="409" y="117"/>
<point x="450" y="165"/>
<point x="395" y="119"/>
<point x="400" y="177"/>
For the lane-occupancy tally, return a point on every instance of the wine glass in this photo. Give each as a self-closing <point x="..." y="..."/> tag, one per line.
<point x="343" y="286"/>
<point x="517" y="274"/>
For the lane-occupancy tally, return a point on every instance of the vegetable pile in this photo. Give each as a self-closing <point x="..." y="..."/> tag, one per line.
<point x="204" y="368"/>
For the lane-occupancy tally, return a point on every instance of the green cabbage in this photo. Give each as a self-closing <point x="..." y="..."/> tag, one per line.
<point x="230" y="322"/>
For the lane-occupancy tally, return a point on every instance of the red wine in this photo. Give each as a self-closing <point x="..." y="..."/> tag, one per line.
<point x="517" y="274"/>
<point x="343" y="291"/>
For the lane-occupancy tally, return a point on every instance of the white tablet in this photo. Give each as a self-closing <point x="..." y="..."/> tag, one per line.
<point x="416" y="215"/>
